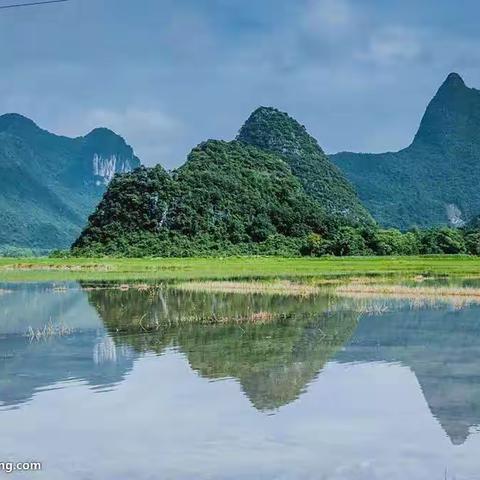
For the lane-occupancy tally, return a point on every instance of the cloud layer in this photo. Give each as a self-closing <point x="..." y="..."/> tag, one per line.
<point x="168" y="75"/>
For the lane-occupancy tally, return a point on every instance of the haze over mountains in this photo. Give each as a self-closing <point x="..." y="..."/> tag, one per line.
<point x="50" y="184"/>
<point x="434" y="181"/>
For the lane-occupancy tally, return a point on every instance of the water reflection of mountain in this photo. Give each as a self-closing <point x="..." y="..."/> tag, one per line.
<point x="273" y="360"/>
<point x="274" y="356"/>
<point x="87" y="355"/>
<point x="442" y="348"/>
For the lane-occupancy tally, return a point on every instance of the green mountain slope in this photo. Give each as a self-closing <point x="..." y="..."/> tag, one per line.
<point x="435" y="180"/>
<point x="227" y="196"/>
<point x="49" y="184"/>
<point x="278" y="133"/>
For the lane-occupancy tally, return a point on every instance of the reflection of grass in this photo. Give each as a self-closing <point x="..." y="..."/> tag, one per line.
<point x="157" y="309"/>
<point x="269" y="288"/>
<point x="232" y="268"/>
<point x="253" y="317"/>
<point x="456" y="295"/>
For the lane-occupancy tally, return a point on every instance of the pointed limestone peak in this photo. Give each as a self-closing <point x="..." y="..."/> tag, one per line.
<point x="271" y="129"/>
<point x="263" y="112"/>
<point x="454" y="80"/>
<point x="452" y="115"/>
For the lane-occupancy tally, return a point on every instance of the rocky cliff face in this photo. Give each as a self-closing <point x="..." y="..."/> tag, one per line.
<point x="105" y="168"/>
<point x="49" y="184"/>
<point x="109" y="155"/>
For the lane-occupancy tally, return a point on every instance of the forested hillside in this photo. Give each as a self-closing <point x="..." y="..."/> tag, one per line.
<point x="435" y="180"/>
<point x="50" y="184"/>
<point x="278" y="133"/>
<point x="232" y="198"/>
<point x="228" y="197"/>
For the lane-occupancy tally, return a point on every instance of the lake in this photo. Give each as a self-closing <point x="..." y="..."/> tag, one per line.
<point x="155" y="383"/>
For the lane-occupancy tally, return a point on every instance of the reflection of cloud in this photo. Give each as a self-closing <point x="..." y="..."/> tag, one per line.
<point x="104" y="351"/>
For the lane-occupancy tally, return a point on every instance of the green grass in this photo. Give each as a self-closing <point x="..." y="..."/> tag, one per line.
<point x="46" y="269"/>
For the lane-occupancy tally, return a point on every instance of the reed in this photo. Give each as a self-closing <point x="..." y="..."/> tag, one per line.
<point x="49" y="330"/>
<point x="362" y="306"/>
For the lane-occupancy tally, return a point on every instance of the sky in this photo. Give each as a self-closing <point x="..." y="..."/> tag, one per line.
<point x="169" y="74"/>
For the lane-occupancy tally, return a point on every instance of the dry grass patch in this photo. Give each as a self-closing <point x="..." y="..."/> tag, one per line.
<point x="39" y="267"/>
<point x="255" y="317"/>
<point x="458" y="296"/>
<point x="272" y="288"/>
<point x="124" y="287"/>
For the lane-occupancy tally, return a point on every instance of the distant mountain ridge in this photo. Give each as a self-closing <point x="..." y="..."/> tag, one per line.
<point x="434" y="181"/>
<point x="49" y="184"/>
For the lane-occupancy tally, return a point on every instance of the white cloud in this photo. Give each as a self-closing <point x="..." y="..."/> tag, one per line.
<point x="134" y="120"/>
<point x="391" y="45"/>
<point x="150" y="132"/>
<point x="331" y="14"/>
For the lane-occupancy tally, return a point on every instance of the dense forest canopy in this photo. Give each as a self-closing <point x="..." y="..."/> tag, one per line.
<point x="234" y="198"/>
<point x="261" y="194"/>
<point x="227" y="197"/>
<point x="271" y="191"/>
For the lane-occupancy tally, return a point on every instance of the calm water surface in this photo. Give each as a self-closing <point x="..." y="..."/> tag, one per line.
<point x="136" y="388"/>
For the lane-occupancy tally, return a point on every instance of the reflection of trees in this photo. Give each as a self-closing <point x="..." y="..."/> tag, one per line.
<point x="442" y="347"/>
<point x="273" y="360"/>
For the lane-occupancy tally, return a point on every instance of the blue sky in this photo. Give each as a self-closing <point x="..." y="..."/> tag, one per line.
<point x="168" y="74"/>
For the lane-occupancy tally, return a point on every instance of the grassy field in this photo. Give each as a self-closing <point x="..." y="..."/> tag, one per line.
<point x="46" y="269"/>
